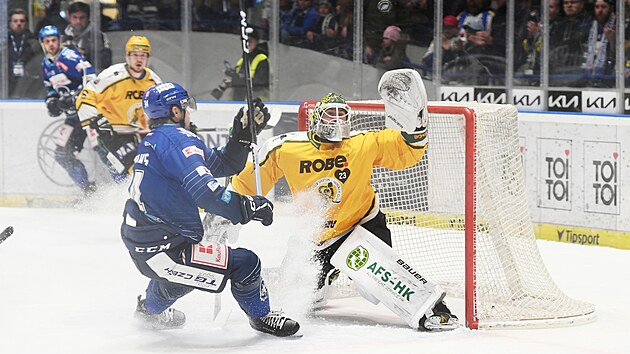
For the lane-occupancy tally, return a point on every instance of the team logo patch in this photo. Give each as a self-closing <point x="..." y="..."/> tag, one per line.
<point x="192" y="150"/>
<point x="357" y="258"/>
<point x="329" y="188"/>
<point x="210" y="254"/>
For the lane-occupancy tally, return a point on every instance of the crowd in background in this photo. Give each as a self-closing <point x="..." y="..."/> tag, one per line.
<point x="396" y="34"/>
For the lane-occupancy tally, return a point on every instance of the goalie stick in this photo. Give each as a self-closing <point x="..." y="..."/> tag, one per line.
<point x="6" y="233"/>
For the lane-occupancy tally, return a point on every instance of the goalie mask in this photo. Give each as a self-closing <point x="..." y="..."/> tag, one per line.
<point x="330" y="118"/>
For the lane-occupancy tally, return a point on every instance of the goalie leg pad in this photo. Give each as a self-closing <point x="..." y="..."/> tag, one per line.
<point x="379" y="270"/>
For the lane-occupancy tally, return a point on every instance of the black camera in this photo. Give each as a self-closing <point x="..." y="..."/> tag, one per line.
<point x="219" y="90"/>
<point x="226" y="83"/>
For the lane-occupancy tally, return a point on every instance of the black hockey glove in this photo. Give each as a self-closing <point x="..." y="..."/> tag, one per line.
<point x="102" y="126"/>
<point x="52" y="103"/>
<point x="240" y="129"/>
<point x="193" y="128"/>
<point x="256" y="208"/>
<point x="66" y="103"/>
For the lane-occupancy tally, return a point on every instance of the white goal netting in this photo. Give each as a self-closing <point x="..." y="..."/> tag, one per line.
<point x="508" y="284"/>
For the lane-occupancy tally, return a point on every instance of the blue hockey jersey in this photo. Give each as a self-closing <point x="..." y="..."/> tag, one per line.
<point x="174" y="172"/>
<point x="66" y="73"/>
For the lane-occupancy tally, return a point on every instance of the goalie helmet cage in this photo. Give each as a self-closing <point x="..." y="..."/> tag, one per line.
<point x="461" y="216"/>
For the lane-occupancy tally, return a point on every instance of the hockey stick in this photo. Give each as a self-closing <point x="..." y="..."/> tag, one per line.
<point x="250" y="93"/>
<point x="6" y="233"/>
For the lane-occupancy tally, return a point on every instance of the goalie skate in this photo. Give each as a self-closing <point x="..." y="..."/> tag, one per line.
<point x="168" y="319"/>
<point x="276" y="324"/>
<point x="441" y="319"/>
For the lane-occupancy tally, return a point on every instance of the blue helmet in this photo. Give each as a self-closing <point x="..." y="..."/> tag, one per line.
<point x="158" y="100"/>
<point x="48" y="31"/>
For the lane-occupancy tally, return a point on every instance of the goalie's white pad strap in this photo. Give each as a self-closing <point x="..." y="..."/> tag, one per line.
<point x="405" y="99"/>
<point x="376" y="268"/>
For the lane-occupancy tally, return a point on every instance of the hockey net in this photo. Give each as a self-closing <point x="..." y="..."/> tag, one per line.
<point x="461" y="216"/>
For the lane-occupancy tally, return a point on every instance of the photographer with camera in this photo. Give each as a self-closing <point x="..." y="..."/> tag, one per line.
<point x="258" y="69"/>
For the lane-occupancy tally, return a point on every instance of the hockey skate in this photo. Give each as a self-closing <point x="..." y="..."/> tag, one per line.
<point x="440" y="319"/>
<point x="275" y="323"/>
<point x="168" y="319"/>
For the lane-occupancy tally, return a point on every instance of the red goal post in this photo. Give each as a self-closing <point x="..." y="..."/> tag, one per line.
<point x="461" y="216"/>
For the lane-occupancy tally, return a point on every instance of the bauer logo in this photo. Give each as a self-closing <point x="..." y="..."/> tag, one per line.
<point x="564" y="101"/>
<point x="601" y="176"/>
<point x="357" y="258"/>
<point x="554" y="188"/>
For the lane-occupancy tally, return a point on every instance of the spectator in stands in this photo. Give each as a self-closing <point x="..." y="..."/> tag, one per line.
<point x="345" y="17"/>
<point x="475" y="27"/>
<point x="23" y="82"/>
<point x="217" y="16"/>
<point x="529" y="60"/>
<point x="415" y="19"/>
<point x="568" y="42"/>
<point x="499" y="26"/>
<point x="452" y="45"/>
<point x="325" y="23"/>
<point x="377" y="15"/>
<point x="78" y="35"/>
<point x="599" y="58"/>
<point x="300" y="20"/>
<point x="53" y="17"/>
<point x="392" y="51"/>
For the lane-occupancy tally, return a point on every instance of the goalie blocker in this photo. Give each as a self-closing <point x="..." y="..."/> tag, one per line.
<point x="381" y="275"/>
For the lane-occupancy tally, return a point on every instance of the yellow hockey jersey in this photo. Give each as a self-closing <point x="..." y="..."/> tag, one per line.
<point x="340" y="172"/>
<point x="117" y="96"/>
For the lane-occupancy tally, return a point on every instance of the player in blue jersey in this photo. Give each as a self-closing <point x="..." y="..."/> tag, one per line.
<point x="174" y="174"/>
<point x="65" y="72"/>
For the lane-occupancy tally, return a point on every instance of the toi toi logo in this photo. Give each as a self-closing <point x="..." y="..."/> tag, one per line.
<point x="557" y="178"/>
<point x="605" y="184"/>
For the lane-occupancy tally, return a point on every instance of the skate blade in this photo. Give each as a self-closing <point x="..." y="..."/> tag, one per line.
<point x="442" y="327"/>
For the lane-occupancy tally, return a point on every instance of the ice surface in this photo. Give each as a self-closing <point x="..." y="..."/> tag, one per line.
<point x="67" y="285"/>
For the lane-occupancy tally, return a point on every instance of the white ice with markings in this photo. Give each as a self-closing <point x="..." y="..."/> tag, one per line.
<point x="67" y="285"/>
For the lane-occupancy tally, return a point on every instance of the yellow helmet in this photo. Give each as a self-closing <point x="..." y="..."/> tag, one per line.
<point x="138" y="44"/>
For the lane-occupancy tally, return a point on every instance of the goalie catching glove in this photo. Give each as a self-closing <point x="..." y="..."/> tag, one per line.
<point x="405" y="99"/>
<point x="240" y="129"/>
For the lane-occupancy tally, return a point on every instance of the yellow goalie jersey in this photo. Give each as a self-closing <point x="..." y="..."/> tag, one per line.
<point x="117" y="96"/>
<point x="340" y="172"/>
